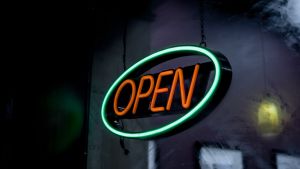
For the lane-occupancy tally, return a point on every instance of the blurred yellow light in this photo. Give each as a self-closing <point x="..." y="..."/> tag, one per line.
<point x="268" y="118"/>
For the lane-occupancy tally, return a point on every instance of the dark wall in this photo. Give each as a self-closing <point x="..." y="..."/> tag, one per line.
<point x="44" y="96"/>
<point x="118" y="26"/>
<point x="264" y="68"/>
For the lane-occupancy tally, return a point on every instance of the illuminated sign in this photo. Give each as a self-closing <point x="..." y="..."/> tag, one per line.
<point x="124" y="97"/>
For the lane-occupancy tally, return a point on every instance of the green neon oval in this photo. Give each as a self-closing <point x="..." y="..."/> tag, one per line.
<point x="168" y="127"/>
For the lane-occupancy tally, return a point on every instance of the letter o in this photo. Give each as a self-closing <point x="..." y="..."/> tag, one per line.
<point x="133" y="92"/>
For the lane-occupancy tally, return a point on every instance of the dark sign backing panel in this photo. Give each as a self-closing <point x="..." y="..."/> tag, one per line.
<point x="144" y="104"/>
<point x="202" y="103"/>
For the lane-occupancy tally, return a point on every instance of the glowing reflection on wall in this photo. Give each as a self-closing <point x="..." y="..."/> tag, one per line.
<point x="269" y="117"/>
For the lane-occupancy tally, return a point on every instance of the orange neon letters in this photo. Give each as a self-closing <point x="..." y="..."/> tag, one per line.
<point x="143" y="95"/>
<point x="133" y="91"/>
<point x="185" y="101"/>
<point x="156" y="89"/>
<point x="159" y="90"/>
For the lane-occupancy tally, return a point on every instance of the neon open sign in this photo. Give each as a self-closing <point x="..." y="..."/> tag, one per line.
<point x="139" y="91"/>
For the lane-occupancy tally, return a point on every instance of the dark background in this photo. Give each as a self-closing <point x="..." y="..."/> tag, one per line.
<point x="45" y="70"/>
<point x="48" y="47"/>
